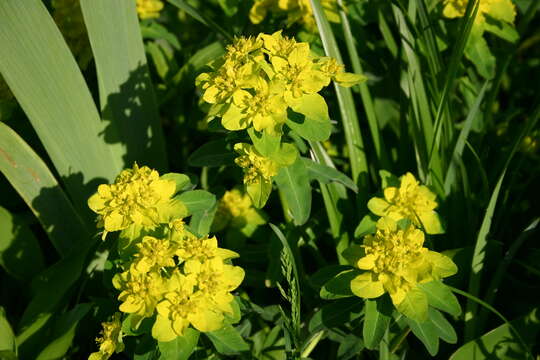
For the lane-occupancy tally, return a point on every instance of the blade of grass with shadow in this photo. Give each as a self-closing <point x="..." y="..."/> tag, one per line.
<point x="126" y="94"/>
<point x="44" y="77"/>
<point x="37" y="186"/>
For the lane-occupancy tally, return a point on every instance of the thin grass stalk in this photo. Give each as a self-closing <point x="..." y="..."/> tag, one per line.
<point x="353" y="136"/>
<point x="365" y="94"/>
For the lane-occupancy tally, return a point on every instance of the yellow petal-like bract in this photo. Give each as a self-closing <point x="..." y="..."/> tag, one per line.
<point x="149" y="9"/>
<point x="110" y="341"/>
<point x="236" y="209"/>
<point x="503" y="10"/>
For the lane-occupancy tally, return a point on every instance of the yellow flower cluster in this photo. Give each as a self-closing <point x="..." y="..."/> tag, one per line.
<point x="503" y="10"/>
<point x="138" y="197"/>
<point x="149" y="9"/>
<point x="236" y="209"/>
<point x="258" y="79"/>
<point x="184" y="279"/>
<point x="410" y="201"/>
<point x="297" y="11"/>
<point x="110" y="341"/>
<point x="68" y="16"/>
<point x="396" y="262"/>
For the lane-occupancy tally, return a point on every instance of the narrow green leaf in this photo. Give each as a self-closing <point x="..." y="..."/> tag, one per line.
<point x="443" y="328"/>
<point x="227" y="340"/>
<point x="31" y="178"/>
<point x="7" y="340"/>
<point x="440" y="296"/>
<point x="325" y="174"/>
<point x="126" y="93"/>
<point x="375" y="324"/>
<point x="180" y="348"/>
<point x="339" y="286"/>
<point x="50" y="88"/>
<point x="293" y="181"/>
<point x="335" y="314"/>
<point x="197" y="200"/>
<point x="20" y="254"/>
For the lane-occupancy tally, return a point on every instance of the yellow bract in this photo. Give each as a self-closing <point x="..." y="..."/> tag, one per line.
<point x="257" y="168"/>
<point x="297" y="11"/>
<point x="409" y="201"/>
<point x="148" y="9"/>
<point x="236" y="209"/>
<point x="140" y="293"/>
<point x="503" y="10"/>
<point x="110" y="341"/>
<point x="258" y="79"/>
<point x="68" y="16"/>
<point x="395" y="262"/>
<point x="138" y="197"/>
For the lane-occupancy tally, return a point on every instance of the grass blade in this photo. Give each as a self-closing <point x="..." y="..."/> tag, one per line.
<point x="45" y="79"/>
<point x="126" y="94"/>
<point x="31" y="178"/>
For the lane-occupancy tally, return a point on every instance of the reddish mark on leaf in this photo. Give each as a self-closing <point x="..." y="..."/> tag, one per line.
<point x="34" y="175"/>
<point x="8" y="158"/>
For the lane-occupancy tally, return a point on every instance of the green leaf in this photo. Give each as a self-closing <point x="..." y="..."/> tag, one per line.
<point x="326" y="174"/>
<point x="502" y="342"/>
<point x="502" y="29"/>
<point x="127" y="99"/>
<point x="309" y="128"/>
<point x="227" y="341"/>
<point x="426" y="333"/>
<point x="214" y="153"/>
<point x="339" y="286"/>
<point x="64" y="333"/>
<point x="415" y="305"/>
<point x="20" y="254"/>
<point x="49" y="86"/>
<point x="197" y="200"/>
<point x="353" y="253"/>
<point x="201" y="221"/>
<point x="368" y="225"/>
<point x="31" y="178"/>
<point x="313" y="107"/>
<point x="266" y="144"/>
<point x="7" y="340"/>
<point x="477" y="50"/>
<point x="180" y="348"/>
<point x="376" y="321"/>
<point x="322" y="276"/>
<point x="259" y="193"/>
<point x="443" y="328"/>
<point x="293" y="181"/>
<point x="183" y="182"/>
<point x="156" y="31"/>
<point x="335" y="314"/>
<point x="441" y="297"/>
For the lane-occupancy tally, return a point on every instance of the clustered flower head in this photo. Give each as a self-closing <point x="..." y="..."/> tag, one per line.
<point x="138" y="197"/>
<point x="258" y="79"/>
<point x="503" y="10"/>
<point x="236" y="209"/>
<point x="297" y="11"/>
<point x="110" y="341"/>
<point x="149" y="9"/>
<point x="409" y="201"/>
<point x="68" y="16"/>
<point x="395" y="262"/>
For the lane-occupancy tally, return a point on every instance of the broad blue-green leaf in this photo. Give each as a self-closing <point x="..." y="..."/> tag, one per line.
<point x="214" y="153"/>
<point x="427" y="333"/>
<point x="477" y="50"/>
<point x="20" y="254"/>
<point x="266" y="144"/>
<point x="441" y="297"/>
<point x="309" y="128"/>
<point x="293" y="181"/>
<point x="197" y="200"/>
<point x="63" y="333"/>
<point x="31" y="178"/>
<point x="375" y="323"/>
<point x="127" y="99"/>
<point x="45" y="79"/>
<point x="201" y="221"/>
<point x="180" y="348"/>
<point x="325" y="174"/>
<point x="368" y="225"/>
<point x="336" y="313"/>
<point x="443" y="328"/>
<point x="339" y="286"/>
<point x="227" y="340"/>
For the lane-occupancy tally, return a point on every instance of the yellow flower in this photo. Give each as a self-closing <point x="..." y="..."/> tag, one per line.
<point x="336" y="72"/>
<point x="182" y="306"/>
<point x="297" y="11"/>
<point x="153" y="254"/>
<point x="503" y="10"/>
<point x="190" y="248"/>
<point x="110" y="341"/>
<point x="215" y="280"/>
<point x="395" y="262"/>
<point x="148" y="9"/>
<point x="68" y="16"/>
<point x="140" y="293"/>
<point x="138" y="197"/>
<point x="236" y="209"/>
<point x="410" y="201"/>
<point x="257" y="168"/>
